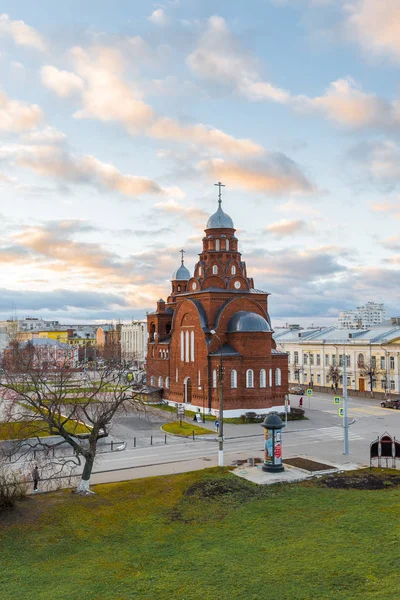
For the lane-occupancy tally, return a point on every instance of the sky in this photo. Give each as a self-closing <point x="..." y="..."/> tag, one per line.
<point x="117" y="118"/>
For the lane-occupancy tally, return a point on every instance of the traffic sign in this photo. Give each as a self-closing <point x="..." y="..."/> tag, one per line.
<point x="337" y="399"/>
<point x="216" y="424"/>
<point x="309" y="392"/>
<point x="341" y="412"/>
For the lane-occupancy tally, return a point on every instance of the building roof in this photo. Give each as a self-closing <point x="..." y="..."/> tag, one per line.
<point x="225" y="350"/>
<point x="244" y="321"/>
<point x="219" y="220"/>
<point x="334" y="335"/>
<point x="46" y="342"/>
<point x="181" y="274"/>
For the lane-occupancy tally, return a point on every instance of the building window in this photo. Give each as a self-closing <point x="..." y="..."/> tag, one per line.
<point x="327" y="360"/>
<point x="217" y="244"/>
<point x="160" y="381"/>
<point x="179" y="288"/>
<point x="318" y="360"/>
<point x="341" y="380"/>
<point x="383" y="362"/>
<point x="296" y="358"/>
<point x="233" y="270"/>
<point x="214" y="378"/>
<point x="373" y="383"/>
<point x="333" y="360"/>
<point x="152" y="380"/>
<point x="305" y="359"/>
<point x="270" y="377"/>
<point x="392" y="362"/>
<point x="311" y="359"/>
<point x="199" y="378"/>
<point x="340" y="360"/>
<point x="192" y="346"/>
<point x="215" y="270"/>
<point x="278" y="377"/>
<point x="297" y="375"/>
<point x="233" y="379"/>
<point x="263" y="378"/>
<point x="392" y="385"/>
<point x="176" y="375"/>
<point x="383" y="384"/>
<point x="227" y="244"/>
<point x="326" y="379"/>
<point x="318" y="378"/>
<point x="199" y="271"/>
<point x="182" y="346"/>
<point x="167" y="383"/>
<point x="187" y="348"/>
<point x="373" y="362"/>
<point x="360" y="360"/>
<point x="249" y="378"/>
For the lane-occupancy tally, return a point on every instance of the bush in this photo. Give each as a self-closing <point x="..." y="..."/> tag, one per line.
<point x="12" y="488"/>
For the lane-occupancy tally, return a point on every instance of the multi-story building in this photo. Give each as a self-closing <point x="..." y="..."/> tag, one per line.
<point x="214" y="333"/>
<point x="45" y="353"/>
<point x="316" y="358"/>
<point x="363" y="317"/>
<point x="134" y="341"/>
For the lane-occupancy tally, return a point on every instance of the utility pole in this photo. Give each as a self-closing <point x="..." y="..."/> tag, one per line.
<point x="345" y="406"/>
<point x="221" y="405"/>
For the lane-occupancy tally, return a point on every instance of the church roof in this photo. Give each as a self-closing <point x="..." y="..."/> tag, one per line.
<point x="219" y="220"/>
<point x="181" y="274"/>
<point x="226" y="350"/>
<point x="244" y="321"/>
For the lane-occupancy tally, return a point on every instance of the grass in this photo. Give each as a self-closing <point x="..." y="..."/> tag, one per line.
<point x="186" y="429"/>
<point x="26" y="429"/>
<point x="202" y="536"/>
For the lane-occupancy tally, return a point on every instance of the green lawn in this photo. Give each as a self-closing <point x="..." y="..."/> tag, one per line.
<point x="150" y="539"/>
<point x="24" y="430"/>
<point x="186" y="429"/>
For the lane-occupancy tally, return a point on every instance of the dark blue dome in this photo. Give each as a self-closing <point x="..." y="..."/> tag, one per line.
<point x="244" y="321"/>
<point x="181" y="274"/>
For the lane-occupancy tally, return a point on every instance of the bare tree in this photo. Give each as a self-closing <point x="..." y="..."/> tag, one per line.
<point x="334" y="376"/>
<point x="40" y="399"/>
<point x="369" y="370"/>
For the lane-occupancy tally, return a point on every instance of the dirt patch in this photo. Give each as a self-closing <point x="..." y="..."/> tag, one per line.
<point x="363" y="481"/>
<point x="306" y="464"/>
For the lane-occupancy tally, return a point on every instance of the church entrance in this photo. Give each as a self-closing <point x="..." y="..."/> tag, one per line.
<point x="187" y="390"/>
<point x="361" y="385"/>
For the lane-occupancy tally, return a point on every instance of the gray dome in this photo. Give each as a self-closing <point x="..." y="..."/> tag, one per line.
<point x="244" y="321"/>
<point x="219" y="220"/>
<point x="181" y="274"/>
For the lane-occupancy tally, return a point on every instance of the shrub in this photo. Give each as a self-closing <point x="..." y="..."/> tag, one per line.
<point x="12" y="488"/>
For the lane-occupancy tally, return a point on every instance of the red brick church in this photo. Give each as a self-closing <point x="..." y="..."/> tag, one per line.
<point x="216" y="316"/>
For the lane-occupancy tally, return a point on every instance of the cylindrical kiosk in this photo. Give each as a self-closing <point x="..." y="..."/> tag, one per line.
<point x="273" y="443"/>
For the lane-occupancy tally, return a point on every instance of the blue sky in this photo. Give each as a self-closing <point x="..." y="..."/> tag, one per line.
<point x="117" y="118"/>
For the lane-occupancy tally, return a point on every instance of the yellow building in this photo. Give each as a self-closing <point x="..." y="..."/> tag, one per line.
<point x="58" y="335"/>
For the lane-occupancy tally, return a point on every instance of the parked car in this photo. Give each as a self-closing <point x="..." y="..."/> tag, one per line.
<point x="297" y="389"/>
<point x="391" y="403"/>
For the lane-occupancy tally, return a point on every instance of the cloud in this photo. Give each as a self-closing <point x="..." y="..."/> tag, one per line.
<point x="158" y="17"/>
<point x="58" y="163"/>
<point x="391" y="208"/>
<point x="47" y="135"/>
<point x="201" y="135"/>
<point x="378" y="162"/>
<point x="275" y="175"/>
<point x="58" y="300"/>
<point x="286" y="228"/>
<point x="392" y="243"/>
<point x="21" y="33"/>
<point x="63" y="83"/>
<point x="17" y="116"/>
<point x="219" y="57"/>
<point x="194" y="215"/>
<point x="375" y="24"/>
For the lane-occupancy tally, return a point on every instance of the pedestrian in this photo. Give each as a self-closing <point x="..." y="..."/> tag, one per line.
<point x="301" y="402"/>
<point x="36" y="478"/>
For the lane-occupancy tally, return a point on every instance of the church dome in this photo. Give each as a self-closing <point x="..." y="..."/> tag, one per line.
<point x="181" y="274"/>
<point x="244" y="321"/>
<point x="219" y="220"/>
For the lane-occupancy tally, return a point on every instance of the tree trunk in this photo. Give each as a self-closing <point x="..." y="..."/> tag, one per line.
<point x="84" y="484"/>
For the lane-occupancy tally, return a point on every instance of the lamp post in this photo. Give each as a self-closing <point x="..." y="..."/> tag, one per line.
<point x="221" y="406"/>
<point x="345" y="404"/>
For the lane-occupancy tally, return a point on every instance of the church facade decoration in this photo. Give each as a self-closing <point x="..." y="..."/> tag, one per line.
<point x="211" y="318"/>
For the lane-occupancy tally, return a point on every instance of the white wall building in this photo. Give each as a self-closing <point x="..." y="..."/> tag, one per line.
<point x="312" y="354"/>
<point x="363" y="317"/>
<point x="134" y="341"/>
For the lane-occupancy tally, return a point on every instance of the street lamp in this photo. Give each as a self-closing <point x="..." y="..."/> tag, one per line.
<point x="221" y="406"/>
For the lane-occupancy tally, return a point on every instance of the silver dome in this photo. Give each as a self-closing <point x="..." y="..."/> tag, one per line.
<point x="181" y="274"/>
<point x="219" y="220"/>
<point x="244" y="321"/>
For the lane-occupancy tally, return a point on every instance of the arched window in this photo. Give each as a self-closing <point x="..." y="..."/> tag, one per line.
<point x="199" y="378"/>
<point x="182" y="346"/>
<point x="217" y="244"/>
<point x="179" y="288"/>
<point x="263" y="378"/>
<point x="250" y="378"/>
<point x="233" y="378"/>
<point x="176" y="375"/>
<point x="360" y="360"/>
<point x="214" y="378"/>
<point x="233" y="270"/>
<point x="187" y="348"/>
<point x="270" y="378"/>
<point x="227" y="244"/>
<point x="160" y="381"/>
<point x="215" y="270"/>
<point x="192" y="346"/>
<point x="199" y="271"/>
<point x="277" y="377"/>
<point x="152" y="380"/>
<point x="167" y="383"/>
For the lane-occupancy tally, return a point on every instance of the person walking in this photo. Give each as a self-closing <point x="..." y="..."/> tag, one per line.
<point x="36" y="478"/>
<point x="301" y="402"/>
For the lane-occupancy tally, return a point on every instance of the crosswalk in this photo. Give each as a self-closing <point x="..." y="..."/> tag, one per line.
<point x="336" y="433"/>
<point x="359" y="412"/>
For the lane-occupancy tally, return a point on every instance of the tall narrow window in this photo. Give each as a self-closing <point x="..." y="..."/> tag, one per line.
<point x="263" y="378"/>
<point x="152" y="380"/>
<point x="217" y="244"/>
<point x="199" y="378"/>
<point x="176" y="375"/>
<point x="277" y="377"/>
<point x="199" y="271"/>
<point x="167" y="383"/>
<point x="160" y="381"/>
<point x="249" y="378"/>
<point x="233" y="378"/>
<point x="214" y="378"/>
<point x="227" y="244"/>
<point x="182" y="346"/>
<point x="270" y="378"/>
<point x="215" y="270"/>
<point x="192" y="346"/>
<point x="187" y="348"/>
<point x="233" y="270"/>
